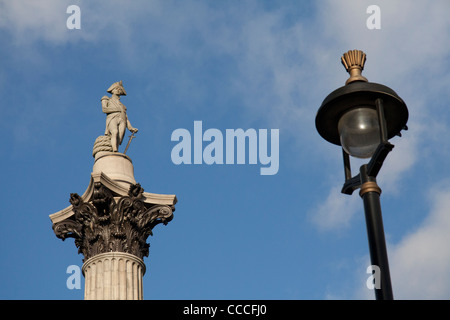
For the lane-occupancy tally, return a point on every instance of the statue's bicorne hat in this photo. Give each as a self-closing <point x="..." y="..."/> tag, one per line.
<point x="115" y="85"/>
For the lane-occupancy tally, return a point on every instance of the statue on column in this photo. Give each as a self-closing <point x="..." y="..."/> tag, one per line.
<point x="116" y="120"/>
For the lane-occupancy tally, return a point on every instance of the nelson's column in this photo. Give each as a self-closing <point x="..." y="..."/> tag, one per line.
<point x="112" y="220"/>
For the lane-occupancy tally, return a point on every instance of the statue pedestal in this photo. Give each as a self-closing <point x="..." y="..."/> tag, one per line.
<point x="116" y="166"/>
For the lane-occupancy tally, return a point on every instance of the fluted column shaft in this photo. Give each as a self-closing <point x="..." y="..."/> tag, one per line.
<point x="113" y="276"/>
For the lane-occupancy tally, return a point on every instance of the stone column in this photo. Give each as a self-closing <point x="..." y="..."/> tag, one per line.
<point x="113" y="276"/>
<point x="110" y="223"/>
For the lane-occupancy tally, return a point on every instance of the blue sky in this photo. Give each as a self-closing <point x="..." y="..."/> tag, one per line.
<point x="236" y="234"/>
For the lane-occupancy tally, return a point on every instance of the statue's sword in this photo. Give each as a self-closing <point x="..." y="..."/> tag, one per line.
<point x="129" y="141"/>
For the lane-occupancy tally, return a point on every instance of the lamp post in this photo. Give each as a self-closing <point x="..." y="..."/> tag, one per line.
<point x="361" y="117"/>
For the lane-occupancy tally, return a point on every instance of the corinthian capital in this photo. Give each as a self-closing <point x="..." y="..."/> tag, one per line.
<point x="108" y="222"/>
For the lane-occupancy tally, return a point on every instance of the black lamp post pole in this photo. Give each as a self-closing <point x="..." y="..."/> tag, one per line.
<point x="370" y="193"/>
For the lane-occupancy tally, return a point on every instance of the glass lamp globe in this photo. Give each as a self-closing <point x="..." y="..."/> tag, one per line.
<point x="359" y="132"/>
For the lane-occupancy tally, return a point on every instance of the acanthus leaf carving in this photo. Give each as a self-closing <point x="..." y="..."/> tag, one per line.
<point x="104" y="224"/>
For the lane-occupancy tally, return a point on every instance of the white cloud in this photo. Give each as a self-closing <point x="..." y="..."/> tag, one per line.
<point x="336" y="212"/>
<point x="30" y="20"/>
<point x="421" y="260"/>
<point x="408" y="40"/>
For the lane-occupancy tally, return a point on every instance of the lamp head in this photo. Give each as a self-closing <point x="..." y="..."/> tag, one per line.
<point x="348" y="116"/>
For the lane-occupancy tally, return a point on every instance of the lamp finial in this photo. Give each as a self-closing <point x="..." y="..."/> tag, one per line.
<point x="353" y="62"/>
